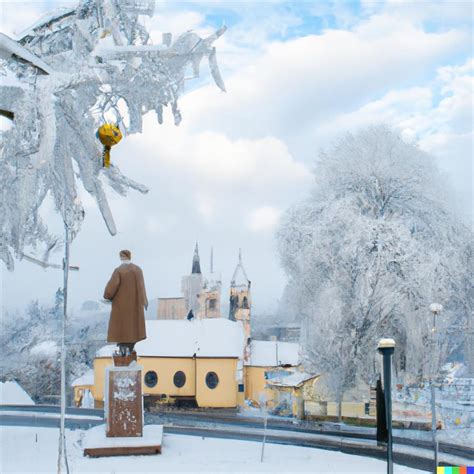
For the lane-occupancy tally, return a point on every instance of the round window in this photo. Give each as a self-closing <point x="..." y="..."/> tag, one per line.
<point x="179" y="379"/>
<point x="212" y="380"/>
<point x="151" y="378"/>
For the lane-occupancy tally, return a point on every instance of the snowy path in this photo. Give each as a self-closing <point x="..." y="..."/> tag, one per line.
<point x="28" y="450"/>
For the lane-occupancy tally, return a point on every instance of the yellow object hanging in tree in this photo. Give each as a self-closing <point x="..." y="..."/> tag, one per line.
<point x="109" y="135"/>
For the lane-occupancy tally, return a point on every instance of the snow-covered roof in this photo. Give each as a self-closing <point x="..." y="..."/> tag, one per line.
<point x="273" y="353"/>
<point x="217" y="337"/>
<point x="85" y="379"/>
<point x="11" y="393"/>
<point x="291" y="379"/>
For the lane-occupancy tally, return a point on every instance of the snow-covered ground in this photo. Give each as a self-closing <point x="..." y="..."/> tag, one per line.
<point x="28" y="450"/>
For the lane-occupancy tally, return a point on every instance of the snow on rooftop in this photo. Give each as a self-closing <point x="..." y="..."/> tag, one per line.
<point x="85" y="379"/>
<point x="217" y="337"/>
<point x="11" y="393"/>
<point x="291" y="379"/>
<point x="273" y="353"/>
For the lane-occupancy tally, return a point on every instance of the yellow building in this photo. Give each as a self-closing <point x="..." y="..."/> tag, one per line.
<point x="267" y="359"/>
<point x="83" y="388"/>
<point x="184" y="361"/>
<point x="291" y="392"/>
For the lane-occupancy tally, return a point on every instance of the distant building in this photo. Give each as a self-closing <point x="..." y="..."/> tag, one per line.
<point x="201" y="295"/>
<point x="172" y="308"/>
<point x="239" y="305"/>
<point x="83" y="387"/>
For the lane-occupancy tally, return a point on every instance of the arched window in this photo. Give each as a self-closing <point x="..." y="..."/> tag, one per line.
<point x="179" y="379"/>
<point x="245" y="303"/>
<point x="212" y="380"/>
<point x="151" y="378"/>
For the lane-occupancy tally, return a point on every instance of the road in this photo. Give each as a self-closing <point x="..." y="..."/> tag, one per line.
<point x="343" y="438"/>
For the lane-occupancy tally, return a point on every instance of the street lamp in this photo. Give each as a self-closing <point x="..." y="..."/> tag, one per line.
<point x="435" y="309"/>
<point x="386" y="347"/>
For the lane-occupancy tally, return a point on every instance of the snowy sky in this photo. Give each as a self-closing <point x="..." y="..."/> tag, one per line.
<point x="297" y="74"/>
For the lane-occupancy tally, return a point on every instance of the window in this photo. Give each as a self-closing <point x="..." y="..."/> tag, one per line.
<point x="241" y="387"/>
<point x="245" y="303"/>
<point x="212" y="303"/>
<point x="151" y="378"/>
<point x="179" y="379"/>
<point x="212" y="380"/>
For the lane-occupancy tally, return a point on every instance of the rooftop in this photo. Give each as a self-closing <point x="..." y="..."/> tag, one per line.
<point x="274" y="353"/>
<point x="217" y="337"/>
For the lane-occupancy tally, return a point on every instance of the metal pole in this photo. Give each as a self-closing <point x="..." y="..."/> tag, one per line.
<point x="264" y="430"/>
<point x="387" y="377"/>
<point x="433" y="426"/>
<point x="62" y="431"/>
<point x="387" y="347"/>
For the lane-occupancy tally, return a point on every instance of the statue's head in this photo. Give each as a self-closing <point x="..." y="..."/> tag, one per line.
<point x="125" y="255"/>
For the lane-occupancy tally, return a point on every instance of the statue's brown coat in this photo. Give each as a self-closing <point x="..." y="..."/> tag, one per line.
<point x="126" y="290"/>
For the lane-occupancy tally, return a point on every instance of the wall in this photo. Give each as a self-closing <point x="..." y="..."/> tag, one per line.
<point x="255" y="382"/>
<point x="100" y="363"/>
<point x="165" y="368"/>
<point x="171" y="308"/>
<point x="225" y="393"/>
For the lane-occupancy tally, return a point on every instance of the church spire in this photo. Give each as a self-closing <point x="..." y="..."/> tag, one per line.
<point x="239" y="278"/>
<point x="196" y="263"/>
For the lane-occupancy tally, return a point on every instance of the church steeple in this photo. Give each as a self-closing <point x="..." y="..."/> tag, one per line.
<point x="239" y="278"/>
<point x="196" y="263"/>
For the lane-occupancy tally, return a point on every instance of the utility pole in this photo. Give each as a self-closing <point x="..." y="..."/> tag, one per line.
<point x="62" y="457"/>
<point x="435" y="309"/>
<point x="66" y="267"/>
<point x="386" y="347"/>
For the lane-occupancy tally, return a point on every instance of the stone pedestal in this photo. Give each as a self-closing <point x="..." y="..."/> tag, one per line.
<point x="123" y="401"/>
<point x="123" y="433"/>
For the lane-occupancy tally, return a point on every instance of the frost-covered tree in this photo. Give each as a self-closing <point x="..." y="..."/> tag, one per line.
<point x="30" y="342"/>
<point x="367" y="253"/>
<point x="66" y="75"/>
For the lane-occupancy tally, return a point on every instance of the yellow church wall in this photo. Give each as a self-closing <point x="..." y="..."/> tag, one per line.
<point x="165" y="368"/>
<point x="195" y="370"/>
<point x="100" y="363"/>
<point x="225" y="393"/>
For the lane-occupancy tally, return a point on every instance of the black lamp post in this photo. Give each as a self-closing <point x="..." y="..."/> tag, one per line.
<point x="386" y="347"/>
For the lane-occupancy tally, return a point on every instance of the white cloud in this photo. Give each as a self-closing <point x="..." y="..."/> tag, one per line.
<point x="238" y="159"/>
<point x="264" y="219"/>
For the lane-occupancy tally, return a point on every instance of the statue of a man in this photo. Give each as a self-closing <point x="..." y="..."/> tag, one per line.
<point x="126" y="290"/>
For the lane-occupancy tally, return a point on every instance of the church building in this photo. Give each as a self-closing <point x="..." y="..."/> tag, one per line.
<point x="196" y="356"/>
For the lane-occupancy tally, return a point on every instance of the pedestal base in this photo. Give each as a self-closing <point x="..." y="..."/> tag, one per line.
<point x="124" y="401"/>
<point x="97" y="444"/>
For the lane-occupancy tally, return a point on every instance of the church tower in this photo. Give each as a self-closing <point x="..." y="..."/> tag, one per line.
<point x="192" y="285"/>
<point x="239" y="307"/>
